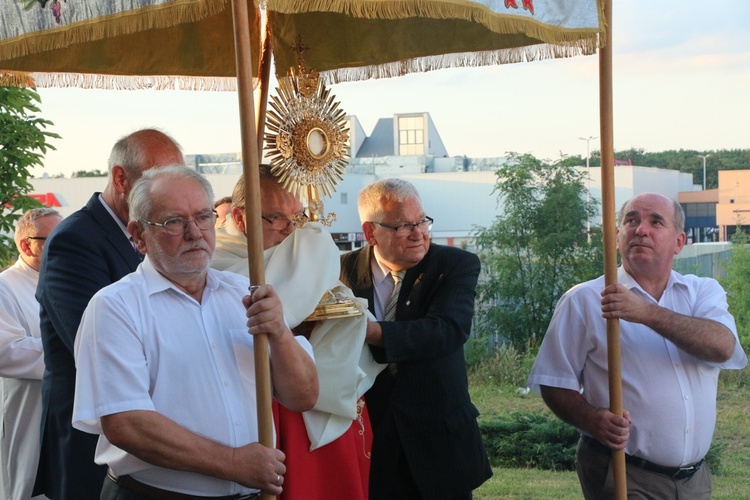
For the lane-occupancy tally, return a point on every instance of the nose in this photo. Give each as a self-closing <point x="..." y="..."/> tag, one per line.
<point x="642" y="229"/>
<point x="289" y="229"/>
<point x="192" y="232"/>
<point x="416" y="234"/>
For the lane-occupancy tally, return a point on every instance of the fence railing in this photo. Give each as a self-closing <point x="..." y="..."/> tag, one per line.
<point x="709" y="265"/>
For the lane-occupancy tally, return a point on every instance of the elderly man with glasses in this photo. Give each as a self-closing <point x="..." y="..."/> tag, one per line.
<point x="165" y="359"/>
<point x="281" y="214"/>
<point x="21" y="356"/>
<point x="426" y="439"/>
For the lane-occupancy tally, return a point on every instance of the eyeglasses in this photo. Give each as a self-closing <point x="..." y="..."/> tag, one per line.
<point x="280" y="223"/>
<point x="179" y="225"/>
<point x="406" y="229"/>
<point x="40" y="238"/>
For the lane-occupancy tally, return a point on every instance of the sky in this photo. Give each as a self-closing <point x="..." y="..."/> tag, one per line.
<point x="681" y="71"/>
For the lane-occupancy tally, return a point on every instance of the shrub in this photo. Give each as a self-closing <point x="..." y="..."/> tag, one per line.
<point x="536" y="440"/>
<point x="476" y="351"/>
<point x="506" y="366"/>
<point x="525" y="439"/>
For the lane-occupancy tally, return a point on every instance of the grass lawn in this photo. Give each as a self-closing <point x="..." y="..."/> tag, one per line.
<point x="731" y="481"/>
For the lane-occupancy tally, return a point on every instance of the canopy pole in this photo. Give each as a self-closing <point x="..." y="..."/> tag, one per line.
<point x="265" y="80"/>
<point x="250" y="158"/>
<point x="606" y="132"/>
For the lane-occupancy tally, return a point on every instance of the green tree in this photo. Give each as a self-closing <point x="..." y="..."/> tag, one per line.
<point x="23" y="144"/>
<point x="535" y="250"/>
<point x="737" y="285"/>
<point x="89" y="173"/>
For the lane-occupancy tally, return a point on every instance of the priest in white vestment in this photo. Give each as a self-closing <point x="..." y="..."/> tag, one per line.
<point x="21" y="357"/>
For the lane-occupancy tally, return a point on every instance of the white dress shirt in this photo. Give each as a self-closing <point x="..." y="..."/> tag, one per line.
<point x="670" y="394"/>
<point x="143" y="344"/>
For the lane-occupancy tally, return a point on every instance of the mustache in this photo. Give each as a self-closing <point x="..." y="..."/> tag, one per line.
<point x="197" y="245"/>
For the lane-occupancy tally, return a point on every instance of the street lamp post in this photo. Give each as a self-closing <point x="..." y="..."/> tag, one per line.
<point x="588" y="150"/>
<point x="704" y="169"/>
<point x="588" y="183"/>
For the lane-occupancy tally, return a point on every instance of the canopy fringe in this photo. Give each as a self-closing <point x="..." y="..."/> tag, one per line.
<point x="470" y="59"/>
<point x="107" y="26"/>
<point x="16" y="79"/>
<point x="446" y="9"/>
<point x="127" y="82"/>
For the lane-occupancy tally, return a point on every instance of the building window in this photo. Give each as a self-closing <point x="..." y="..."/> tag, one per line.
<point x="411" y="135"/>
<point x="699" y="209"/>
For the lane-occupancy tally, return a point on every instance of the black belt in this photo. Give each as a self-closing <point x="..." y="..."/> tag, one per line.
<point x="155" y="493"/>
<point x="673" y="472"/>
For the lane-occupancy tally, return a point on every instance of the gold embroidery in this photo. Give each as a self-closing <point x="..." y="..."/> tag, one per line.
<point x="360" y="409"/>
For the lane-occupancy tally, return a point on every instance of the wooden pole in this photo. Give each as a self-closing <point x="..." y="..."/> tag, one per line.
<point x="250" y="157"/>
<point x="265" y="80"/>
<point x="606" y="124"/>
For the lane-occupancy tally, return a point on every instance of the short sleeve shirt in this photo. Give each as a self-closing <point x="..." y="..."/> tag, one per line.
<point x="670" y="394"/>
<point x="143" y="344"/>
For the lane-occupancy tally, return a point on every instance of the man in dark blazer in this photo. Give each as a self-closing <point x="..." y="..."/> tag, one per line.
<point x="426" y="439"/>
<point x="89" y="250"/>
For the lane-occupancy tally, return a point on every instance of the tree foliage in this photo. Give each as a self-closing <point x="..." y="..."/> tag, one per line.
<point x="23" y="144"/>
<point x="684" y="160"/>
<point x="90" y="173"/>
<point x="737" y="285"/>
<point x="535" y="250"/>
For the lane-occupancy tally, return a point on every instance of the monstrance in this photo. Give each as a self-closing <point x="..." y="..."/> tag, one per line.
<point x="307" y="149"/>
<point x="307" y="138"/>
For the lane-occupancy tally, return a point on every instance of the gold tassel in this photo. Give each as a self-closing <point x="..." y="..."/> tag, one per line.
<point x="16" y="79"/>
<point x="118" y="82"/>
<point x="469" y="59"/>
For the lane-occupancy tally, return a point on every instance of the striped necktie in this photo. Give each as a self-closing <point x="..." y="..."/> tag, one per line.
<point x="390" y="306"/>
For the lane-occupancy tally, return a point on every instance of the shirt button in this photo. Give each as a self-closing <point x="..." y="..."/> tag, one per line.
<point x="226" y="384"/>
<point x="687" y="397"/>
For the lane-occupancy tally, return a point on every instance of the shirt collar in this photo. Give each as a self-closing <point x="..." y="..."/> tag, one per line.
<point x="157" y="282"/>
<point x="123" y="226"/>
<point x="379" y="270"/>
<point x="628" y="281"/>
<point x="27" y="269"/>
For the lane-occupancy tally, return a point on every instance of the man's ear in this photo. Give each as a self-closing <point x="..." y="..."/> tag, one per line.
<point x="120" y="180"/>
<point x="238" y="214"/>
<point x="135" y="229"/>
<point x="25" y="248"/>
<point x="681" y="240"/>
<point x="369" y="229"/>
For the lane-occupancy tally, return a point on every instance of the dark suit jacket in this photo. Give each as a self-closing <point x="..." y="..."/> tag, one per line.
<point x="86" y="252"/>
<point x="425" y="408"/>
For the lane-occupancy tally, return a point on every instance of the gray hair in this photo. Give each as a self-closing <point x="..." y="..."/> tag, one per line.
<point x="27" y="224"/>
<point x="238" y="193"/>
<point x="679" y="214"/>
<point x="130" y="152"/>
<point x="373" y="197"/>
<point x="140" y="201"/>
